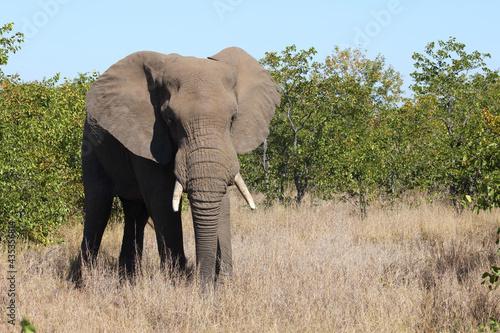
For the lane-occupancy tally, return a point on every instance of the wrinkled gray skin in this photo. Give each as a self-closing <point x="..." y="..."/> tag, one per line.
<point x="152" y="118"/>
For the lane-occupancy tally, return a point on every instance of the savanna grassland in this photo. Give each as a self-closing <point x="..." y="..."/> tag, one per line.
<point x="344" y="128"/>
<point x="319" y="268"/>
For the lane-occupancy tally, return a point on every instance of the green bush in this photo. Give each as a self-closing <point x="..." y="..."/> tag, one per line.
<point x="40" y="137"/>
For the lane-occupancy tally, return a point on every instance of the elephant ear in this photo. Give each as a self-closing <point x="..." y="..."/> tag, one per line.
<point x="126" y="100"/>
<point x="257" y="95"/>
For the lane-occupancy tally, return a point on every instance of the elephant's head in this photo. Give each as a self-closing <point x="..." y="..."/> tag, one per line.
<point x="199" y="112"/>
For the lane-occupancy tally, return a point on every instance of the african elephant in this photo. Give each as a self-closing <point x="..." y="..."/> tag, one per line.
<point x="159" y="125"/>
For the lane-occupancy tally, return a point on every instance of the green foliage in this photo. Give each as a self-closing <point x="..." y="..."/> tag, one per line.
<point x="8" y="44"/>
<point x="327" y="135"/>
<point x="452" y="87"/>
<point x="343" y="128"/>
<point x="26" y="326"/>
<point x="363" y="100"/>
<point x="493" y="326"/>
<point x="493" y="277"/>
<point x="40" y="140"/>
<point x="486" y="163"/>
<point x="293" y="145"/>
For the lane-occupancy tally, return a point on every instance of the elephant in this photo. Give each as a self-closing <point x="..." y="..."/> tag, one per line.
<point x="159" y="125"/>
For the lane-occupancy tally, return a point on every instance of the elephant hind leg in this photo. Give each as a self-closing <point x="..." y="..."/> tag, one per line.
<point x="98" y="189"/>
<point x="136" y="217"/>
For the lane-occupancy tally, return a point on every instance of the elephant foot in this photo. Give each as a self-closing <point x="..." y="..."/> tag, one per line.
<point x="174" y="267"/>
<point x="75" y="272"/>
<point x="129" y="270"/>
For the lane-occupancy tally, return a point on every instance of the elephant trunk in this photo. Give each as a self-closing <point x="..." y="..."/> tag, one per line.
<point x="210" y="171"/>
<point x="205" y="214"/>
<point x="205" y="165"/>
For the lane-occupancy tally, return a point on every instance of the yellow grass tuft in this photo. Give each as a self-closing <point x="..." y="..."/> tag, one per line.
<point x="314" y="269"/>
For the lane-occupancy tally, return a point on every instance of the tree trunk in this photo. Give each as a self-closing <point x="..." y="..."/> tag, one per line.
<point x="301" y="186"/>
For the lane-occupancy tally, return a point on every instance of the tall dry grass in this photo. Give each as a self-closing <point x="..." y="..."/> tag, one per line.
<point x="314" y="269"/>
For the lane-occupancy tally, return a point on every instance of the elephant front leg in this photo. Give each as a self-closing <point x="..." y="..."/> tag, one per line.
<point x="156" y="184"/>
<point x="224" y="265"/>
<point x="168" y="228"/>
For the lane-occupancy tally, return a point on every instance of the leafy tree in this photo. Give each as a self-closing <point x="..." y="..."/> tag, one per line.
<point x="322" y="136"/>
<point x="291" y="154"/>
<point x="363" y="98"/>
<point x="449" y="86"/>
<point x="486" y="160"/>
<point x="297" y="122"/>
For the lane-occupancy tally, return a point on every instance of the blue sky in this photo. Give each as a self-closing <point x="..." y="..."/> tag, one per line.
<point x="71" y="36"/>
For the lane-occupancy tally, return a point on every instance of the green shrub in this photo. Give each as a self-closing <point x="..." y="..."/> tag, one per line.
<point x="40" y="137"/>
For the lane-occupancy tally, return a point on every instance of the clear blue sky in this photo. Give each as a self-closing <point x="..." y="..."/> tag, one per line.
<point x="72" y="36"/>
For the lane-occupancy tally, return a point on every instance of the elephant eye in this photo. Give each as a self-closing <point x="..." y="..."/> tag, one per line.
<point x="233" y="118"/>
<point x="170" y="121"/>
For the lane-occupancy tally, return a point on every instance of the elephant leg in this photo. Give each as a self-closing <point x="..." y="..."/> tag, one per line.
<point x="168" y="225"/>
<point x="168" y="228"/>
<point x="136" y="217"/>
<point x="224" y="263"/>
<point x="156" y="183"/>
<point x="98" y="189"/>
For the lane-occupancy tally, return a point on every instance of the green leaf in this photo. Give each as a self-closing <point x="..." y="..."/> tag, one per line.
<point x="27" y="327"/>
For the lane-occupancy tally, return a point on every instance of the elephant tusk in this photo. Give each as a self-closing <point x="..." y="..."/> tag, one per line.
<point x="176" y="200"/>
<point x="244" y="190"/>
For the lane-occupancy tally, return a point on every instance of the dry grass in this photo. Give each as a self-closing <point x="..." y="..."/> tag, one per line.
<point x="317" y="269"/>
